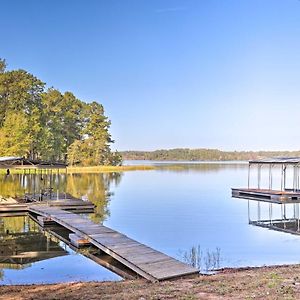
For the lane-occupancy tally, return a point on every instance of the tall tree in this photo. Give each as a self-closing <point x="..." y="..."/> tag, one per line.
<point x="46" y="124"/>
<point x="15" y="135"/>
<point x="20" y="92"/>
<point x="2" y="65"/>
<point x="94" y="146"/>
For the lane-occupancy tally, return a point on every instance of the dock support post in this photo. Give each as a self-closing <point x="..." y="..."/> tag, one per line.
<point x="270" y="177"/>
<point x="270" y="213"/>
<point x="298" y="221"/>
<point x="297" y="177"/>
<point x="249" y="212"/>
<point x="284" y="177"/>
<point x="258" y="176"/>
<point x="294" y="179"/>
<point x="249" y="176"/>
<point x="281" y="180"/>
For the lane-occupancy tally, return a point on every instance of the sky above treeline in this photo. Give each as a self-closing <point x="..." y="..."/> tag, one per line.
<point x="171" y="73"/>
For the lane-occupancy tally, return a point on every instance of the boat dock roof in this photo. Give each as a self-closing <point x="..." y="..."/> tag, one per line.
<point x="21" y="162"/>
<point x="277" y="160"/>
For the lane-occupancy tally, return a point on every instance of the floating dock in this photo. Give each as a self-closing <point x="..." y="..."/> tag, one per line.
<point x="145" y="261"/>
<point x="266" y="195"/>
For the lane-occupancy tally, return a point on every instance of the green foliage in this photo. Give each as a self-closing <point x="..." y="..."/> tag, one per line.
<point x="46" y="125"/>
<point x="15" y="135"/>
<point x="203" y="155"/>
<point x="93" y="148"/>
<point x="2" y="65"/>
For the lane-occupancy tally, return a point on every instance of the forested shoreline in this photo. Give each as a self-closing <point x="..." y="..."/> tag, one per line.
<point x="203" y="154"/>
<point x="42" y="123"/>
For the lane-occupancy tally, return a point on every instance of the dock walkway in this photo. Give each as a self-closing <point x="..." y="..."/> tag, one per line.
<point x="75" y="205"/>
<point x="145" y="261"/>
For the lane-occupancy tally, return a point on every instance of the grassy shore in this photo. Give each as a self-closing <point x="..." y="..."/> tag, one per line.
<point x="107" y="169"/>
<point x="93" y="169"/>
<point x="270" y="283"/>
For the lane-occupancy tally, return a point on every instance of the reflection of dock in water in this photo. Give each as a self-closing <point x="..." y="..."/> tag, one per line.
<point x="89" y="251"/>
<point x="282" y="217"/>
<point x="288" y="226"/>
<point x="20" y="249"/>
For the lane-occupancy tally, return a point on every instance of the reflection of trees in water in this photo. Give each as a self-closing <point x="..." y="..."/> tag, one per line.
<point x="200" y="167"/>
<point x="94" y="187"/>
<point x="17" y="224"/>
<point x="11" y="186"/>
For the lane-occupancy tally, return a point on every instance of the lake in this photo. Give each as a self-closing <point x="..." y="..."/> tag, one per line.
<point x="172" y="209"/>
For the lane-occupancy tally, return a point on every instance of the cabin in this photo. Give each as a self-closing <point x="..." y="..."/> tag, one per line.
<point x="273" y="180"/>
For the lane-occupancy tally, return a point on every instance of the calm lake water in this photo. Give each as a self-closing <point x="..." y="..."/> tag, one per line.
<point x="172" y="209"/>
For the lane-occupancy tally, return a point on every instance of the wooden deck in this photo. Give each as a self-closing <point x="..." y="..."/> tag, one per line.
<point x="75" y="205"/>
<point x="145" y="261"/>
<point x="266" y="195"/>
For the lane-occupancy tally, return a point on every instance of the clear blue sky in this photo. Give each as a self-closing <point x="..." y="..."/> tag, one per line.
<point x="171" y="73"/>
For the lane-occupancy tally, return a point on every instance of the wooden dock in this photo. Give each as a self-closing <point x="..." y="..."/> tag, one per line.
<point x="74" y="205"/>
<point x="145" y="261"/>
<point x="266" y="195"/>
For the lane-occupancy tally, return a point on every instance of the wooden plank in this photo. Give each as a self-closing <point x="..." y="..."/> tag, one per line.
<point x="145" y="261"/>
<point x="113" y="241"/>
<point x="110" y="234"/>
<point x="137" y="250"/>
<point x="124" y="247"/>
<point x="149" y="259"/>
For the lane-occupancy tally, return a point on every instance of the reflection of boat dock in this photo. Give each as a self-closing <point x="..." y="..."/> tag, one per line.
<point x="284" y="225"/>
<point x="19" y="249"/>
<point x="272" y="192"/>
<point x="92" y="252"/>
<point x="145" y="261"/>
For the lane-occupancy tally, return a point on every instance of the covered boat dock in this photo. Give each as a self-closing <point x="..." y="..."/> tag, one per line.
<point x="277" y="180"/>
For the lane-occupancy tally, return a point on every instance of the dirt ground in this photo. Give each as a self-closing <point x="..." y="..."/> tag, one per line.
<point x="281" y="282"/>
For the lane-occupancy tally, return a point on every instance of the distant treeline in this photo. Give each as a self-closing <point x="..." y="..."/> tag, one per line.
<point x="44" y="124"/>
<point x="203" y="154"/>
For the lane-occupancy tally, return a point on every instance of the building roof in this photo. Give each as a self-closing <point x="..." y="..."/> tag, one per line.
<point x="277" y="160"/>
<point x="17" y="162"/>
<point x="10" y="158"/>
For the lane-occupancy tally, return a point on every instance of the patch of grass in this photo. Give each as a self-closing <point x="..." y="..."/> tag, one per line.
<point x="274" y="280"/>
<point x="93" y="169"/>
